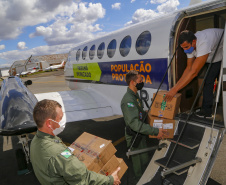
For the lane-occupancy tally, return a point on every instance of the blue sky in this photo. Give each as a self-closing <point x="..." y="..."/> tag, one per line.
<point x="43" y="27"/>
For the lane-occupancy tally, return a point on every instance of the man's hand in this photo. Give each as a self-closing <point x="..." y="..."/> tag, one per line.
<point x="162" y="133"/>
<point x="115" y="176"/>
<point x="169" y="96"/>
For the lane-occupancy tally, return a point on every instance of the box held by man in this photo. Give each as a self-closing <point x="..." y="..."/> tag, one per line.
<point x="164" y="109"/>
<point x="167" y="124"/>
<point x="93" y="151"/>
<point x="112" y="165"/>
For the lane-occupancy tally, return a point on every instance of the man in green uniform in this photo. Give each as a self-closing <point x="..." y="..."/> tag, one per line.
<point x="52" y="161"/>
<point x="133" y="113"/>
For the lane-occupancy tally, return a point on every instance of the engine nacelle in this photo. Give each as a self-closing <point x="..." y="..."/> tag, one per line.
<point x="16" y="108"/>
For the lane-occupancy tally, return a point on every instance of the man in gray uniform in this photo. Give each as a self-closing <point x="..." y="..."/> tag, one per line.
<point x="52" y="161"/>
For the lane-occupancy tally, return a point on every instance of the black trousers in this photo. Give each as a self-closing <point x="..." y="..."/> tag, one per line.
<point x="207" y="103"/>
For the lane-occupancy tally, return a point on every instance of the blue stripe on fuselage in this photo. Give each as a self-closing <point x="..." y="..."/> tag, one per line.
<point x="152" y="71"/>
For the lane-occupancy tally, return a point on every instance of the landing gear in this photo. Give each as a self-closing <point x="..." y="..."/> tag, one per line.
<point x="23" y="155"/>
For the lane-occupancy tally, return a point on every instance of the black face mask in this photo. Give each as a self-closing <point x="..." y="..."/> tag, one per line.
<point x="139" y="86"/>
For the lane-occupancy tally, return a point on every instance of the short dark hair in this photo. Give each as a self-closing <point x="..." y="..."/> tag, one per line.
<point x="43" y="110"/>
<point x="131" y="75"/>
<point x="186" y="35"/>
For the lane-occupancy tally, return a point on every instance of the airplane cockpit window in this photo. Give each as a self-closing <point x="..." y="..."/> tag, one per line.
<point x="111" y="48"/>
<point x="78" y="55"/>
<point x="125" y="46"/>
<point x="84" y="53"/>
<point x="100" y="51"/>
<point x="143" y="42"/>
<point x="92" y="52"/>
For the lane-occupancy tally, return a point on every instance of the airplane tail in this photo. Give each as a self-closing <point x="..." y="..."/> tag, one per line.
<point x="63" y="63"/>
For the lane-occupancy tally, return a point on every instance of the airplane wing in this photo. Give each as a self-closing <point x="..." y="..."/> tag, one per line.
<point x="17" y="103"/>
<point x="80" y="104"/>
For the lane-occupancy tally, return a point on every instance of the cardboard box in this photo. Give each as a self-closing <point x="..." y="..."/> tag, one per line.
<point x="123" y="167"/>
<point x="167" y="124"/>
<point x="93" y="151"/>
<point x="163" y="108"/>
<point x="112" y="165"/>
<point x="92" y="163"/>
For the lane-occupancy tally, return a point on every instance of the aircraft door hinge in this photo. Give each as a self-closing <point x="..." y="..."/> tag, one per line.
<point x="211" y="143"/>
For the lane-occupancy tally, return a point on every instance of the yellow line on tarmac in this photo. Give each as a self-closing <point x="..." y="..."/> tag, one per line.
<point x="119" y="141"/>
<point x="7" y="143"/>
<point x="49" y="82"/>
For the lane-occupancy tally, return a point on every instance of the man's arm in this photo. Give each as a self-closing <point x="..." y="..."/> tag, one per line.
<point x="191" y="71"/>
<point x="74" y="171"/>
<point x="131" y="116"/>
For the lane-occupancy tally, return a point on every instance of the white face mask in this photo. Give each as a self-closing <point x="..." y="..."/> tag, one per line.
<point x="62" y="124"/>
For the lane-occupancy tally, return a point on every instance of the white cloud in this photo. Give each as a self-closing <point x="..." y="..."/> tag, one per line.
<point x="42" y="31"/>
<point x="157" y="1"/>
<point x="15" y="15"/>
<point x="116" y="6"/>
<point x="142" y="15"/>
<point x="167" y="6"/>
<point x="21" y="45"/>
<point x="75" y="24"/>
<point x="132" y="1"/>
<point x="70" y="21"/>
<point x="2" y="47"/>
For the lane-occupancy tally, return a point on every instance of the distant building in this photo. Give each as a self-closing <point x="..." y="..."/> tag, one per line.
<point x="4" y="72"/>
<point x="17" y="67"/>
<point x="38" y="62"/>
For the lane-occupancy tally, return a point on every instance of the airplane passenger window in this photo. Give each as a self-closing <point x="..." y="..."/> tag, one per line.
<point x="100" y="51"/>
<point x="92" y="52"/>
<point x="143" y="42"/>
<point x="111" y="48"/>
<point x="78" y="55"/>
<point x="84" y="53"/>
<point x="125" y="46"/>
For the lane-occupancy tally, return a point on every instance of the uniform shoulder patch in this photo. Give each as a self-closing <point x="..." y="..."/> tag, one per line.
<point x="130" y="104"/>
<point x="66" y="153"/>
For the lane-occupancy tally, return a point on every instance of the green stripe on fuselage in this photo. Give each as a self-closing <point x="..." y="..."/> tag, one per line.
<point x="89" y="71"/>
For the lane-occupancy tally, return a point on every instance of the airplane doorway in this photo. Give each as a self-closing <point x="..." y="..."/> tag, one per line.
<point x="195" y="23"/>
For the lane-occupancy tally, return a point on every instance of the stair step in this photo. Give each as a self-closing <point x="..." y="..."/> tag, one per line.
<point x="162" y="162"/>
<point x="186" y="142"/>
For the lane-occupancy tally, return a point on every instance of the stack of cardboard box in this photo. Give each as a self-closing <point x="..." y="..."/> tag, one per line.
<point x="97" y="154"/>
<point x="162" y="113"/>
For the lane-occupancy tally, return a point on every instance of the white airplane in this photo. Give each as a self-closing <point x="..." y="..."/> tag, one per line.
<point x="25" y="73"/>
<point x="95" y="72"/>
<point x="30" y="71"/>
<point x="50" y="68"/>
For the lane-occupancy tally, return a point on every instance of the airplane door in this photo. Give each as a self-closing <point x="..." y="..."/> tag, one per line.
<point x="189" y="92"/>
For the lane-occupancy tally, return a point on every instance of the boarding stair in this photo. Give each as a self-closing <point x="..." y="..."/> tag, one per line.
<point x="183" y="156"/>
